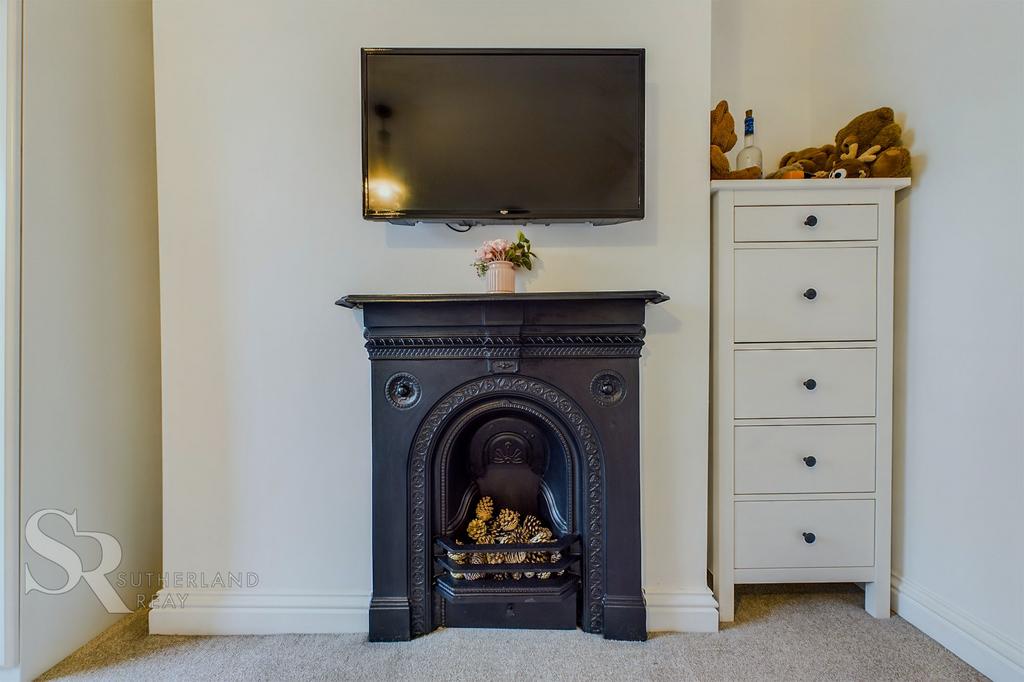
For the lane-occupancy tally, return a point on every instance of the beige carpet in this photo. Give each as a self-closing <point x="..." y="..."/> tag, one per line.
<point x="780" y="634"/>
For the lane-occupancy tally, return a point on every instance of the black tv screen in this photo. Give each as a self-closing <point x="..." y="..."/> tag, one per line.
<point x="490" y="136"/>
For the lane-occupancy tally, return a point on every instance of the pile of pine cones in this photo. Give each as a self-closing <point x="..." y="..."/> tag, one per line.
<point x="503" y="529"/>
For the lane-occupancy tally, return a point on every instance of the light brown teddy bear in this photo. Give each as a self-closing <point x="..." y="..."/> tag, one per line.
<point x="723" y="138"/>
<point x="881" y="138"/>
<point x="892" y="163"/>
<point x="871" y="128"/>
<point x="809" y="160"/>
<point x="877" y="129"/>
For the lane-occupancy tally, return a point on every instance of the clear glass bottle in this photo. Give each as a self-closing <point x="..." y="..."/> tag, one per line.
<point x="750" y="155"/>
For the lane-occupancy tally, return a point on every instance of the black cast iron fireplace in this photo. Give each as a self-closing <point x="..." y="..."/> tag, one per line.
<point x="532" y="400"/>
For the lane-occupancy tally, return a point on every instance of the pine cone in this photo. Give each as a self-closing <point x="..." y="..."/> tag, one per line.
<point x="529" y="526"/>
<point x="491" y="557"/>
<point x="507" y="520"/>
<point x="539" y="558"/>
<point x="555" y="558"/>
<point x="475" y="559"/>
<point x="457" y="558"/>
<point x="542" y="536"/>
<point x="485" y="509"/>
<point x="511" y="557"/>
<point x="477" y="530"/>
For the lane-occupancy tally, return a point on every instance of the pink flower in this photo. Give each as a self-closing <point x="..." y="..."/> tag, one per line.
<point x="501" y="247"/>
<point x="496" y="249"/>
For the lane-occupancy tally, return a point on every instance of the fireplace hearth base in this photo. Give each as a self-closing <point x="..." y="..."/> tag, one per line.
<point x="532" y="399"/>
<point x="529" y="604"/>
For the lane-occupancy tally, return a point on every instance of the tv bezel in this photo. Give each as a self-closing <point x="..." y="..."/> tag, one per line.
<point x="520" y="217"/>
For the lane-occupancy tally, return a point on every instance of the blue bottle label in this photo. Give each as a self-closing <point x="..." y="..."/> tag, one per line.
<point x="748" y="125"/>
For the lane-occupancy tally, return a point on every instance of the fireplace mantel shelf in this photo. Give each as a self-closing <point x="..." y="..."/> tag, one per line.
<point x="359" y="300"/>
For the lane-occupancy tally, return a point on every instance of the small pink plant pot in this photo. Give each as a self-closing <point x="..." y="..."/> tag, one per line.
<point x="501" y="277"/>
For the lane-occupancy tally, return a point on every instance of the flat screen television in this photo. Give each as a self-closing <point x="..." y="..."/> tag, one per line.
<point x="473" y="136"/>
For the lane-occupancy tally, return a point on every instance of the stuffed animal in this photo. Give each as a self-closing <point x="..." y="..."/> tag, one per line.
<point x="810" y="160"/>
<point x="875" y="132"/>
<point x="892" y="163"/>
<point x="788" y="172"/>
<point x="871" y="128"/>
<point x="851" y="165"/>
<point x="723" y="138"/>
<point x="876" y="128"/>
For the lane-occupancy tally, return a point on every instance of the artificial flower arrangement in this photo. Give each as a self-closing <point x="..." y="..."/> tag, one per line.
<point x="519" y="253"/>
<point x="497" y="260"/>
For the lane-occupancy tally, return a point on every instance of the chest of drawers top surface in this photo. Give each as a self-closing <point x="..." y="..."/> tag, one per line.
<point x="846" y="184"/>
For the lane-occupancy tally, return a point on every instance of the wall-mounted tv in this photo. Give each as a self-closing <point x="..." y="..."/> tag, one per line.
<point x="473" y="136"/>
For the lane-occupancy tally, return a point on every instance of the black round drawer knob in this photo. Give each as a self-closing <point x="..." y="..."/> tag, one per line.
<point x="811" y="221"/>
<point x="810" y="461"/>
<point x="403" y="390"/>
<point x="810" y="384"/>
<point x="809" y="538"/>
<point x="607" y="388"/>
<point x="810" y="294"/>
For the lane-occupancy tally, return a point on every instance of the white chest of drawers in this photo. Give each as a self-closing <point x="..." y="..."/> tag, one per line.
<point x="801" y="433"/>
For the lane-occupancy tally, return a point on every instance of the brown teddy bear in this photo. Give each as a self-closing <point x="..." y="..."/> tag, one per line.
<point x="892" y="163"/>
<point x="723" y="138"/>
<point x="810" y="160"/>
<point x="871" y="128"/>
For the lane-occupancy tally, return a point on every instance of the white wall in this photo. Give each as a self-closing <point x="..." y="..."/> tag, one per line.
<point x="266" y="406"/>
<point x="90" y="318"/>
<point x="954" y="73"/>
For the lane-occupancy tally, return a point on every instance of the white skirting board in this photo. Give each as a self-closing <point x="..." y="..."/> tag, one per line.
<point x="237" y="612"/>
<point x="681" y="611"/>
<point x="994" y="655"/>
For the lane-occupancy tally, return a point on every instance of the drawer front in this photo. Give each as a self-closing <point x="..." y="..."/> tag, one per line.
<point x="847" y="222"/>
<point x="771" y="534"/>
<point x="805" y="459"/>
<point x="805" y="383"/>
<point x="805" y="294"/>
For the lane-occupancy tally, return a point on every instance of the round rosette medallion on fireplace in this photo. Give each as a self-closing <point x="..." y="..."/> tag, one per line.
<point x="608" y="387"/>
<point x="403" y="390"/>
